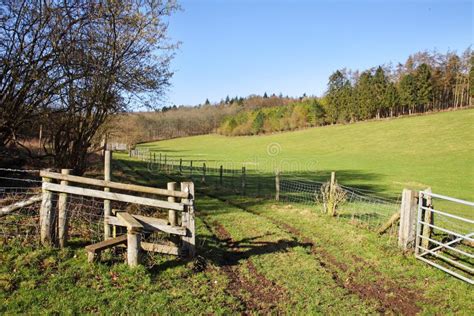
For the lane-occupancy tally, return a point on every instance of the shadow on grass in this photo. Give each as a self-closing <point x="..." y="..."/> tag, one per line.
<point x="258" y="184"/>
<point x="219" y="249"/>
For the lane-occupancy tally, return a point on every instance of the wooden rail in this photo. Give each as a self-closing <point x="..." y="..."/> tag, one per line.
<point x="183" y="235"/>
<point x="112" y="196"/>
<point x="113" y="185"/>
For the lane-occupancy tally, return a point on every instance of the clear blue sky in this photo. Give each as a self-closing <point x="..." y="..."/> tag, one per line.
<point x="251" y="47"/>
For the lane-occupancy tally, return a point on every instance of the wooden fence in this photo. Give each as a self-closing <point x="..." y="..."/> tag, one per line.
<point x="56" y="232"/>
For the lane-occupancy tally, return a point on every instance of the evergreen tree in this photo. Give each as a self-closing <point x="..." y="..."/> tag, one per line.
<point x="366" y="103"/>
<point x="265" y="96"/>
<point x="391" y="98"/>
<point x="227" y="100"/>
<point x="258" y="122"/>
<point x="338" y="97"/>
<point x="407" y="92"/>
<point x="207" y="102"/>
<point x="424" y="86"/>
<point x="380" y="84"/>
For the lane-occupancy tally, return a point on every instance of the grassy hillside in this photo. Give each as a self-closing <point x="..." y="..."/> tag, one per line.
<point x="434" y="150"/>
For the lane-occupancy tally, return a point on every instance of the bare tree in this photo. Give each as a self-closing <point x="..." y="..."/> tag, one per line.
<point x="29" y="75"/>
<point x="118" y="60"/>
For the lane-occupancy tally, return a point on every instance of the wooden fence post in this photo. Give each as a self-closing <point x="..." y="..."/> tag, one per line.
<point x="180" y="165"/>
<point x="62" y="213"/>
<point x="165" y="159"/>
<point x="107" y="207"/>
<point x="408" y="210"/>
<point x="221" y="171"/>
<point x="332" y="188"/>
<point x="191" y="167"/>
<point x="243" y="181"/>
<point x="333" y="182"/>
<point x="277" y="185"/>
<point x="172" y="217"/>
<point x="189" y="241"/>
<point x="427" y="217"/>
<point x="203" y="179"/>
<point x="160" y="159"/>
<point x="46" y="216"/>
<point x="133" y="248"/>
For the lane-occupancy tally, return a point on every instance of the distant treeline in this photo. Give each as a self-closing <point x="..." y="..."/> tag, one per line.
<point x="427" y="81"/>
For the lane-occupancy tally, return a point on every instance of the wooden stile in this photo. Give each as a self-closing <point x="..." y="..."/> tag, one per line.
<point x="112" y="196"/>
<point x="151" y="224"/>
<point x="94" y="250"/>
<point x="133" y="226"/>
<point x="112" y="185"/>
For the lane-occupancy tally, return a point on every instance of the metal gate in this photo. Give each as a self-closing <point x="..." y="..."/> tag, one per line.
<point x="444" y="235"/>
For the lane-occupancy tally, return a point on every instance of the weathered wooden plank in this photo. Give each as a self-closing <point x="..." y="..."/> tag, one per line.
<point x="112" y="185"/>
<point x="109" y="243"/>
<point x="130" y="222"/>
<point x="166" y="249"/>
<point x="112" y="196"/>
<point x="151" y="224"/>
<point x="18" y="205"/>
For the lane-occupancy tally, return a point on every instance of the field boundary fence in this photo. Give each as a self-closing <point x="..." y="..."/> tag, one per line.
<point x="41" y="207"/>
<point x="361" y="207"/>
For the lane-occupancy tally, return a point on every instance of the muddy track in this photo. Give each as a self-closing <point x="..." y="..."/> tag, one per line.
<point x="390" y="296"/>
<point x="255" y="292"/>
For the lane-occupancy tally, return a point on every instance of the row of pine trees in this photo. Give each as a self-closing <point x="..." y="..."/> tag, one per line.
<point x="427" y="81"/>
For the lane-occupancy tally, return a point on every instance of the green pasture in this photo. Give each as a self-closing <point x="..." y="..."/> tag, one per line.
<point x="385" y="156"/>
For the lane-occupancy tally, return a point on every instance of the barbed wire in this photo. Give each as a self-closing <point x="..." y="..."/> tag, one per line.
<point x="20" y="179"/>
<point x="20" y="170"/>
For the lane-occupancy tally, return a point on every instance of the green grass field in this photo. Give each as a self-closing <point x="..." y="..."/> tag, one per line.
<point x="254" y="257"/>
<point x="257" y="256"/>
<point x="435" y="150"/>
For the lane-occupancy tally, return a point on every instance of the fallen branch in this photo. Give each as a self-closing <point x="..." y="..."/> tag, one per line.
<point x="15" y="206"/>
<point x="395" y="217"/>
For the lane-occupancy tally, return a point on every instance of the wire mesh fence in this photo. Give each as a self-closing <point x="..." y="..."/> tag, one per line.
<point x="21" y="225"/>
<point x="359" y="206"/>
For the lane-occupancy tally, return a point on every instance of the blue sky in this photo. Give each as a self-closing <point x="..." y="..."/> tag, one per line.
<point x="242" y="47"/>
